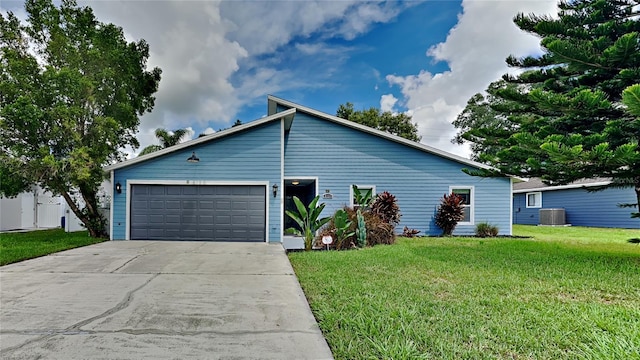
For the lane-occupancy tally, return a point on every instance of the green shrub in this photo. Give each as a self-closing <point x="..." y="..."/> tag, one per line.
<point x="378" y="231"/>
<point x="343" y="227"/>
<point x="485" y="229"/>
<point x="450" y="212"/>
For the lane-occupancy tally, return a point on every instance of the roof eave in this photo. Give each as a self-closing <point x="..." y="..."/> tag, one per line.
<point x="561" y="187"/>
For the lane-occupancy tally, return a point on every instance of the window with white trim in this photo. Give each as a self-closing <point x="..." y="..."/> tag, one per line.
<point x="466" y="193"/>
<point x="363" y="190"/>
<point x="534" y="200"/>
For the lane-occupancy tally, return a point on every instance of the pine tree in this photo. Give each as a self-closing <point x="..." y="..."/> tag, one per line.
<point x="561" y="118"/>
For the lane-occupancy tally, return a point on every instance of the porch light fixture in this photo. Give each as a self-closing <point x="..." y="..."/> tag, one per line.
<point x="295" y="182"/>
<point x="275" y="190"/>
<point x="193" y="158"/>
<point x="118" y="187"/>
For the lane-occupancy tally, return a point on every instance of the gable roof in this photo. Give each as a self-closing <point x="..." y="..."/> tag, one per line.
<point x="288" y="116"/>
<point x="273" y="103"/>
<point x="536" y="184"/>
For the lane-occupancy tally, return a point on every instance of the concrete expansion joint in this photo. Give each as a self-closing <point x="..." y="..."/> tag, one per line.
<point x="75" y="329"/>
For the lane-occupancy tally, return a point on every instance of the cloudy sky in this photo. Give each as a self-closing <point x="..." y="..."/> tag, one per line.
<point x="221" y="59"/>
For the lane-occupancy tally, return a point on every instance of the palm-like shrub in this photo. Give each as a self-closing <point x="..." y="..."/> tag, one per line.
<point x="308" y="218"/>
<point x="362" y="198"/>
<point x="450" y="212"/>
<point x="385" y="205"/>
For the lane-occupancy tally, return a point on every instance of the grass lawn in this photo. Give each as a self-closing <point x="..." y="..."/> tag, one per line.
<point x="16" y="247"/>
<point x="566" y="293"/>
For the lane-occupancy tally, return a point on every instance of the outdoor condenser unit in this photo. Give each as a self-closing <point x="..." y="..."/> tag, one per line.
<point x="552" y="217"/>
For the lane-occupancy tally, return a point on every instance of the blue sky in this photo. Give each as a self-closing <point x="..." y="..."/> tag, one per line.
<point x="221" y="59"/>
<point x="397" y="47"/>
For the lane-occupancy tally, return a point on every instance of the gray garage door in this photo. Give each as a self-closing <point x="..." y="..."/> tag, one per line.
<point x="195" y="212"/>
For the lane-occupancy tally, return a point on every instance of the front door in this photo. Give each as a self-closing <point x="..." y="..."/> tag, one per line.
<point x="304" y="189"/>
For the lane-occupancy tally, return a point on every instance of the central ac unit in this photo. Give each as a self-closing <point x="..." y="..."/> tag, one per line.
<point x="552" y="217"/>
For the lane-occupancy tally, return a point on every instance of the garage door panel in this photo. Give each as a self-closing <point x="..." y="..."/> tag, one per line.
<point x="206" y="204"/>
<point x="198" y="212"/>
<point x="238" y="205"/>
<point x="207" y="190"/>
<point x="189" y="190"/>
<point x="156" y="190"/>
<point x="189" y="219"/>
<point x="223" y="205"/>
<point x="156" y="219"/>
<point x="172" y="219"/>
<point x="171" y="190"/>
<point x="172" y="204"/>
<point x="223" y="190"/>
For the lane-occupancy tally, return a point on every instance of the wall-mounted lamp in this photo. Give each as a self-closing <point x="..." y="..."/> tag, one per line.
<point x="118" y="187"/>
<point x="275" y="190"/>
<point x="193" y="158"/>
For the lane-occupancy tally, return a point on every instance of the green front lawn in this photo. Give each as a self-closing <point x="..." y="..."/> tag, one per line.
<point x="555" y="296"/>
<point x="16" y="247"/>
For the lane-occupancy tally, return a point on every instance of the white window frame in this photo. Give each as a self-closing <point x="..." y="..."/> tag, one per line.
<point x="471" y="205"/>
<point x="538" y="204"/>
<point x="360" y="187"/>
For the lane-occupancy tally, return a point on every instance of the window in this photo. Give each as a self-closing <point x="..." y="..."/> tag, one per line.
<point x="363" y="189"/>
<point x="534" y="200"/>
<point x="466" y="192"/>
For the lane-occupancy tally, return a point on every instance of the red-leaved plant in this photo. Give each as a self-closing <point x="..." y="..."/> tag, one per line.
<point x="450" y="212"/>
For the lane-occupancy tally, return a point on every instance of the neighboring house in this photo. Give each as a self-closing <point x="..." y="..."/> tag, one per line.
<point x="35" y="209"/>
<point x="235" y="185"/>
<point x="39" y="209"/>
<point x="581" y="207"/>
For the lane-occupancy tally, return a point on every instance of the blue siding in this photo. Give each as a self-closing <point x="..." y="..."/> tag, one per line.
<point x="582" y="208"/>
<point x="340" y="156"/>
<point x="249" y="156"/>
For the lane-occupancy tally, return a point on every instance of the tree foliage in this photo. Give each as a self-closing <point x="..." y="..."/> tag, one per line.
<point x="166" y="139"/>
<point x="397" y="124"/>
<point x="71" y="93"/>
<point x="561" y="117"/>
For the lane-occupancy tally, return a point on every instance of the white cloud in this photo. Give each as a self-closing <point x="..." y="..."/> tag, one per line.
<point x="475" y="50"/>
<point x="208" y="131"/>
<point x="217" y="57"/>
<point x="387" y="102"/>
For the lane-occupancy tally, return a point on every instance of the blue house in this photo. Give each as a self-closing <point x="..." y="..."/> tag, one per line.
<point x="235" y="185"/>
<point x="581" y="207"/>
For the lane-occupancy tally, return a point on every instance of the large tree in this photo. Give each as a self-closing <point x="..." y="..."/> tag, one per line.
<point x="561" y="118"/>
<point x="71" y="93"/>
<point x="166" y="139"/>
<point x="397" y="124"/>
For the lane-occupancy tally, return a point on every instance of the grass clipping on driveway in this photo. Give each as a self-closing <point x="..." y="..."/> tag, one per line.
<point x="16" y="247"/>
<point x="466" y="298"/>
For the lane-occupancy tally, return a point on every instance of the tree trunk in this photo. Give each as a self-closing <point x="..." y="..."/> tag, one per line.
<point x="95" y="225"/>
<point x="637" y="188"/>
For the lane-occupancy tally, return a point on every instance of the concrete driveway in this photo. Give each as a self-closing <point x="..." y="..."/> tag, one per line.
<point x="157" y="300"/>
